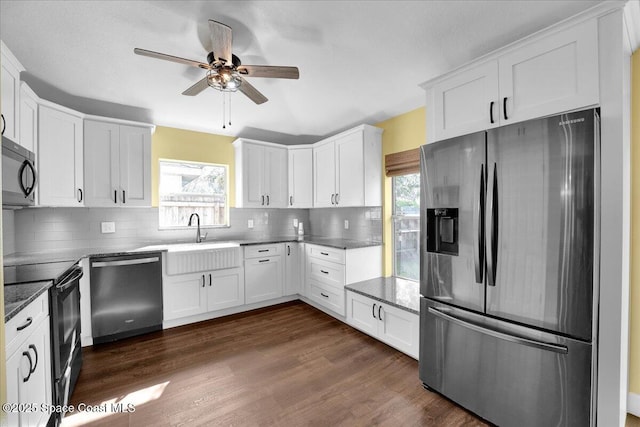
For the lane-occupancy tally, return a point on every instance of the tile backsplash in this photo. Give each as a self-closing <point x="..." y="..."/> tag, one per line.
<point x="47" y="229"/>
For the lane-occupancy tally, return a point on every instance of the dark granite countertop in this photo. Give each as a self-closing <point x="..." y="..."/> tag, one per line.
<point x="77" y="254"/>
<point x="401" y="293"/>
<point x="17" y="297"/>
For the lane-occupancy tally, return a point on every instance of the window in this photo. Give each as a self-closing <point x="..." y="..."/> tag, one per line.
<point x="188" y="187"/>
<point x="406" y="226"/>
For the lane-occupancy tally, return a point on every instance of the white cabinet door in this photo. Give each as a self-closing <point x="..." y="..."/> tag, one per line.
<point x="465" y="103"/>
<point x="398" y="328"/>
<point x="225" y="289"/>
<point x="60" y="158"/>
<point x="28" y="118"/>
<point x="10" y="79"/>
<point x="350" y="170"/>
<point x="252" y="167"/>
<point x="17" y="390"/>
<point x="293" y="267"/>
<point x="184" y="295"/>
<point x="361" y="313"/>
<point x="551" y="75"/>
<point x="324" y="175"/>
<point x="101" y="158"/>
<point x="275" y="177"/>
<point x="300" y="178"/>
<point x="263" y="279"/>
<point x="135" y="166"/>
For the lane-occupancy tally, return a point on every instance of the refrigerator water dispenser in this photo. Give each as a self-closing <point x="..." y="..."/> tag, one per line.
<point x="442" y="230"/>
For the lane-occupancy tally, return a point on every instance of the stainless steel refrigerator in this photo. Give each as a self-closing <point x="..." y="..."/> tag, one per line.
<point x="509" y="270"/>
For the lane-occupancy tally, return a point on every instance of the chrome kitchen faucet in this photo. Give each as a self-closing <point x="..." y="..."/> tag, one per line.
<point x="199" y="237"/>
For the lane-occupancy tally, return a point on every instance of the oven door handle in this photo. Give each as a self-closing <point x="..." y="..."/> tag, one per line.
<point x="69" y="281"/>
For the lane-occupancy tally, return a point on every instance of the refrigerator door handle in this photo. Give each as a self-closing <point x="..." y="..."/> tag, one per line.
<point x="500" y="335"/>
<point x="491" y="231"/>
<point x="478" y="250"/>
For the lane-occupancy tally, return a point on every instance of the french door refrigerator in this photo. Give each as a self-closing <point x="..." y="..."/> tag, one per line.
<point x="509" y="257"/>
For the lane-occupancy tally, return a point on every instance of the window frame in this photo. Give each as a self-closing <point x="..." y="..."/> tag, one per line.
<point x="226" y="194"/>
<point x="394" y="222"/>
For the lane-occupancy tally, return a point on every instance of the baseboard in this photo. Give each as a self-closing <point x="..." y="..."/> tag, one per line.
<point x="633" y="404"/>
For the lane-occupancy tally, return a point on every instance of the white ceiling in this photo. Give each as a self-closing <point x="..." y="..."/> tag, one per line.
<point x="360" y="61"/>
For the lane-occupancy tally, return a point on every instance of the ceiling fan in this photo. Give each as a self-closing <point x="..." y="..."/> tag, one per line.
<point x="225" y="72"/>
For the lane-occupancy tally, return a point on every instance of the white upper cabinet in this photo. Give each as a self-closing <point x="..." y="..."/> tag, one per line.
<point x="261" y="174"/>
<point x="117" y="164"/>
<point x="546" y="75"/>
<point x="60" y="156"/>
<point x="300" y="177"/>
<point x="28" y="118"/>
<point x="10" y="79"/>
<point x="348" y="170"/>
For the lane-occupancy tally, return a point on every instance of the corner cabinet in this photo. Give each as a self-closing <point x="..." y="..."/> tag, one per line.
<point x="347" y="169"/>
<point x="543" y="76"/>
<point x="261" y="174"/>
<point x="28" y="350"/>
<point x="300" y="179"/>
<point x="10" y="79"/>
<point x="391" y="325"/>
<point x="294" y="267"/>
<point x="117" y="164"/>
<point x="60" y="156"/>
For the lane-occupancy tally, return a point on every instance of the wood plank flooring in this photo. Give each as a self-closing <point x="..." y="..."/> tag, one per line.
<point x="285" y="365"/>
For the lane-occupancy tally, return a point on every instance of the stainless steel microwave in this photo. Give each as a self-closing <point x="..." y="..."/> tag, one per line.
<point x="19" y="176"/>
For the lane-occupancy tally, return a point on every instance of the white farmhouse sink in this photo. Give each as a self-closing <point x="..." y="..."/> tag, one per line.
<point x="195" y="257"/>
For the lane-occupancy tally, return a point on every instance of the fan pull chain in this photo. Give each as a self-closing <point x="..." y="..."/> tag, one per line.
<point x="224" y="110"/>
<point x="229" y="109"/>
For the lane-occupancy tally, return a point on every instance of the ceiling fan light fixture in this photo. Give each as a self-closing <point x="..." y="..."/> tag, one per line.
<point x="223" y="80"/>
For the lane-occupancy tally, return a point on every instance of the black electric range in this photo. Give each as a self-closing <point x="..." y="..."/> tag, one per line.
<point x="26" y="273"/>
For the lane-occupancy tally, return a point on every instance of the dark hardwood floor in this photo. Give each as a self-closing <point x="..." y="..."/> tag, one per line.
<point x="285" y="365"/>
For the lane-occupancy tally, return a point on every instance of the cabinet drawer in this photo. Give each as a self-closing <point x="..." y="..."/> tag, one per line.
<point x="323" y="252"/>
<point x="35" y="311"/>
<point x="326" y="272"/>
<point x="259" y="251"/>
<point x="327" y="296"/>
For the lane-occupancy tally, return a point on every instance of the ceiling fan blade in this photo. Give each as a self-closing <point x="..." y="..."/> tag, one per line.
<point x="221" y="41"/>
<point x="198" y="87"/>
<point x="269" y="71"/>
<point x="251" y="92"/>
<point x="171" y="58"/>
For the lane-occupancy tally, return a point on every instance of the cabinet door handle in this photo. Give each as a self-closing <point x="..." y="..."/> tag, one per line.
<point x="337" y="198"/>
<point x="263" y="250"/>
<point x="373" y="311"/>
<point x="504" y="108"/>
<point x="26" y="353"/>
<point x="288" y="250"/>
<point x="210" y="279"/>
<point x="267" y="200"/>
<point x="115" y="196"/>
<point x="4" y="123"/>
<point x="324" y="253"/>
<point x="203" y="281"/>
<point x="324" y="295"/>
<point x="290" y="200"/>
<point x="491" y="111"/>
<point x="324" y="272"/>
<point x="25" y="325"/>
<point x="80" y="195"/>
<point x="124" y="199"/>
<point x="380" y="308"/>
<point x="332" y="197"/>
<point x="262" y="200"/>
<point x="263" y="260"/>
<point x="35" y="351"/>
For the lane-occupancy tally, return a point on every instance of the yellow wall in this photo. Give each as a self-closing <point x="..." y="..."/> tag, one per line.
<point x="401" y="133"/>
<point x="180" y="144"/>
<point x="634" y="298"/>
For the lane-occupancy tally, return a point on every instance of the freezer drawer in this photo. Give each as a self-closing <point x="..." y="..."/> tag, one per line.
<point x="507" y="374"/>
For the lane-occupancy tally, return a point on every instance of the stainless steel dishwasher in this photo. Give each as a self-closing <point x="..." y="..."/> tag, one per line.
<point x="126" y="296"/>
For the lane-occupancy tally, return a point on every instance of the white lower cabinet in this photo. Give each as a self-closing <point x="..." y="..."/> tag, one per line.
<point x="196" y="293"/>
<point x="294" y="267"/>
<point x="29" y="365"/>
<point x="391" y="325"/>
<point x="263" y="272"/>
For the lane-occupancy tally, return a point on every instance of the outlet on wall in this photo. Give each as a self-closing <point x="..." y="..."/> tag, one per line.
<point x="346" y="224"/>
<point x="295" y="223"/>
<point x="250" y="223"/>
<point x="107" y="227"/>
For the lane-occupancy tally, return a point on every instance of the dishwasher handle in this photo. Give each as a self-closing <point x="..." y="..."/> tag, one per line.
<point x="125" y="262"/>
